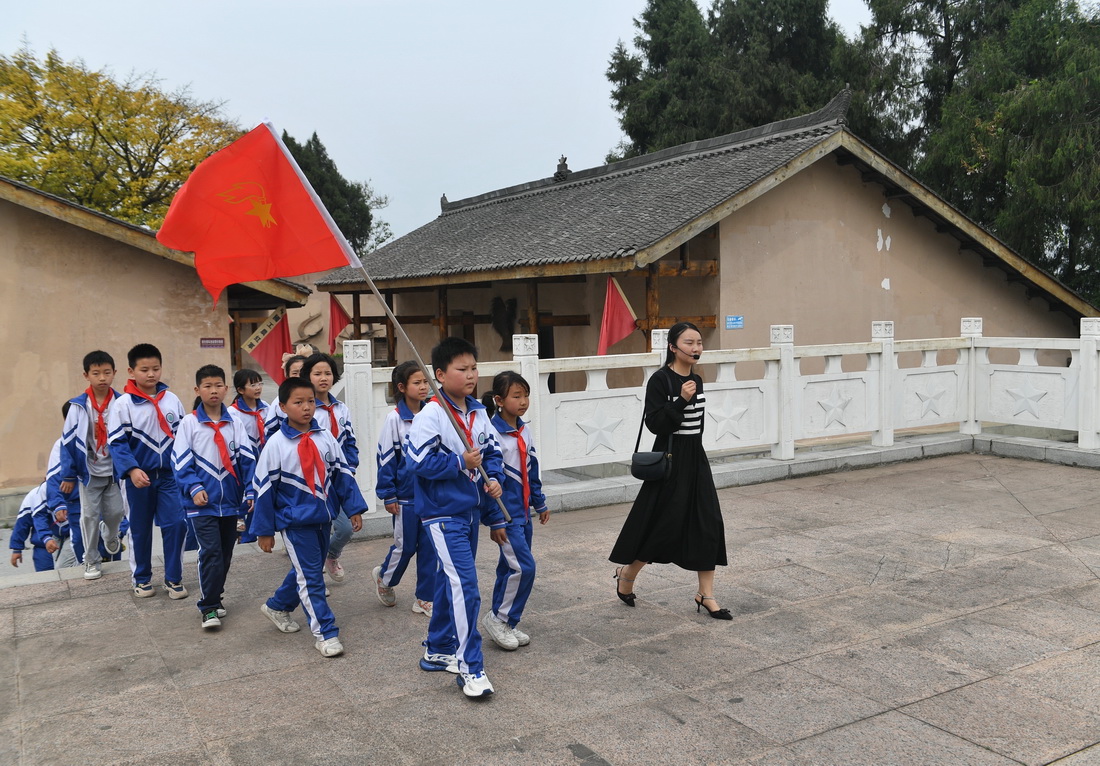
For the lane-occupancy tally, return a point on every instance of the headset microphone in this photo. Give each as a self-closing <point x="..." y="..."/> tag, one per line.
<point x="685" y="353"/>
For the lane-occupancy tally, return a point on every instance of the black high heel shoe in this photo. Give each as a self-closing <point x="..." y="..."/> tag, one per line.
<point x="718" y="614"/>
<point x="626" y="598"/>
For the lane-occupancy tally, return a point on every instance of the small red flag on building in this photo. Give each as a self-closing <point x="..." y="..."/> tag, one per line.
<point x="338" y="319"/>
<point x="248" y="213"/>
<point x="619" y="320"/>
<point x="270" y="341"/>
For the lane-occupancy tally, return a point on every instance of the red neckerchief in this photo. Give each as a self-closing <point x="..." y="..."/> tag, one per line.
<point x="101" y="424"/>
<point x="331" y="417"/>
<point x="257" y="415"/>
<point x="219" y="440"/>
<point x="523" y="472"/>
<point x="131" y="388"/>
<point x="466" y="429"/>
<point x="312" y="464"/>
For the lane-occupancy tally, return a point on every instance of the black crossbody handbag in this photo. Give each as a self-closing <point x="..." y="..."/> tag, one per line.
<point x="650" y="466"/>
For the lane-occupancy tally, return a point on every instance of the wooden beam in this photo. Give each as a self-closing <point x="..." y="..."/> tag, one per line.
<point x="703" y="322"/>
<point x="442" y="313"/>
<point x="356" y="318"/>
<point x="652" y="303"/>
<point x="688" y="269"/>
<point x="391" y="333"/>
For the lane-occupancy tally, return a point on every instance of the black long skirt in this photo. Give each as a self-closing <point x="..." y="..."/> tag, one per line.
<point x="677" y="521"/>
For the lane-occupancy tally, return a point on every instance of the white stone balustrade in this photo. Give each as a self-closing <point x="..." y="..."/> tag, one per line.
<point x="1053" y="383"/>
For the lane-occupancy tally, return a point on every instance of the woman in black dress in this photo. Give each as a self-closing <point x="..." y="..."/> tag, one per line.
<point x="677" y="520"/>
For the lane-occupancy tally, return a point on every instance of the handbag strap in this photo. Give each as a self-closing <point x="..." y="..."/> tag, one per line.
<point x="638" y="441"/>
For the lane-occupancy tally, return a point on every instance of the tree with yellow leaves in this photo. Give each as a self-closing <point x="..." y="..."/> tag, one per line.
<point x="120" y="147"/>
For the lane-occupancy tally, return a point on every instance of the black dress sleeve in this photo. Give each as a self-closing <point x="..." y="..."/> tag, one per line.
<point x="664" y="410"/>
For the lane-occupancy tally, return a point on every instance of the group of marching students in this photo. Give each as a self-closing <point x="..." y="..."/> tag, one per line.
<point x="246" y="470"/>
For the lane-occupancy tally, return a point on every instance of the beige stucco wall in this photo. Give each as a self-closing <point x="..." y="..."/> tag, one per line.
<point x="808" y="253"/>
<point x="66" y="291"/>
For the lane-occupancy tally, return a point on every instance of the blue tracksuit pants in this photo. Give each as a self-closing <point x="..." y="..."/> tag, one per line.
<point x="216" y="536"/>
<point x="305" y="582"/>
<point x="453" y="627"/>
<point x="515" y="574"/>
<point x="410" y="538"/>
<point x="159" y="504"/>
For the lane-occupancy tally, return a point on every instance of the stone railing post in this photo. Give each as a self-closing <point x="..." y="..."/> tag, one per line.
<point x="883" y="332"/>
<point x="525" y="353"/>
<point x="1088" y="385"/>
<point x="971" y="328"/>
<point x="782" y="337"/>
<point x="359" y="397"/>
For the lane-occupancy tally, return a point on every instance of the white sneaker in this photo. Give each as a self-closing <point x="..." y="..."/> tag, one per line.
<point x="475" y="685"/>
<point x="144" y="590"/>
<point x="422" y="607"/>
<point x="210" y="619"/>
<point x="385" y="595"/>
<point x="221" y="611"/>
<point x="521" y="637"/>
<point x="92" y="571"/>
<point x="437" y="662"/>
<point x="499" y="632"/>
<point x="110" y="544"/>
<point x="330" y="647"/>
<point x="335" y="569"/>
<point x="281" y="619"/>
<point x="175" y="590"/>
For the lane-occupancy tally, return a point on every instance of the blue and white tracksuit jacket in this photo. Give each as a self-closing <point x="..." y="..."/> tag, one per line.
<point x="24" y="528"/>
<point x="198" y="464"/>
<point x="137" y="441"/>
<point x="396" y="485"/>
<point x="248" y="418"/>
<point x="516" y="565"/>
<point x="345" y="434"/>
<point x="285" y="504"/>
<point x="79" y="458"/>
<point x="448" y="497"/>
<point x="258" y="433"/>
<point x="57" y="501"/>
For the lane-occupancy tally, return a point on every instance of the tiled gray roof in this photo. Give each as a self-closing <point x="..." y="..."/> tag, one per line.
<point x="606" y="212"/>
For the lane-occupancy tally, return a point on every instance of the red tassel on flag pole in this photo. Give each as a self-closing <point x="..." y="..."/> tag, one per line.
<point x="338" y="319"/>
<point x="268" y="344"/>
<point x="619" y="319"/>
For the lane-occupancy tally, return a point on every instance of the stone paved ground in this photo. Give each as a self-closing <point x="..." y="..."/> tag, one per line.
<point x="944" y="611"/>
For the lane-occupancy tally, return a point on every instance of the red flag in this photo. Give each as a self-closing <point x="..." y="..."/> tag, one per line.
<point x="248" y="213"/>
<point x="619" y="320"/>
<point x="270" y="341"/>
<point x="338" y="319"/>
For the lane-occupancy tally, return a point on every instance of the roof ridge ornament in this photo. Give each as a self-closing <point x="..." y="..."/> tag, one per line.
<point x="563" y="172"/>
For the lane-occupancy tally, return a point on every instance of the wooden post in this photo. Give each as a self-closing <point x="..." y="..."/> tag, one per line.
<point x="652" y="304"/>
<point x="533" y="308"/>
<point x="391" y="337"/>
<point x="357" y="317"/>
<point x="442" y="291"/>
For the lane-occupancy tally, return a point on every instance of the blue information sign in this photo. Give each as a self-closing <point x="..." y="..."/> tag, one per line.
<point x="735" y="322"/>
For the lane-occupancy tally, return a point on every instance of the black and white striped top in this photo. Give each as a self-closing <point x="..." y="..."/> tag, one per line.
<point x="692" y="424"/>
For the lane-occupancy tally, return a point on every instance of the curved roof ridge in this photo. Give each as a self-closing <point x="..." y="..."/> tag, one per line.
<point x="832" y="113"/>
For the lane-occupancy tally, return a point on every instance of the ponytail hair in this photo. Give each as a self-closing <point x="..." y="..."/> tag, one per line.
<point x="502" y="383"/>
<point x="400" y="377"/>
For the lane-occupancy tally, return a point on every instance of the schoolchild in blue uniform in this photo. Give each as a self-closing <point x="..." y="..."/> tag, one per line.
<point x="300" y="476"/>
<point x="213" y="460"/>
<point x="510" y="398"/>
<point x="64" y="505"/>
<point x="253" y="412"/>
<point x="395" y="489"/>
<point x="142" y="424"/>
<point x="86" y="464"/>
<point x="449" y="495"/>
<point x="24" y="528"/>
<point x="335" y="417"/>
<point x="53" y="530"/>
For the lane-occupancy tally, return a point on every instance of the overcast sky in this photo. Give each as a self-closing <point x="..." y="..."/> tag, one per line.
<point x="420" y="98"/>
